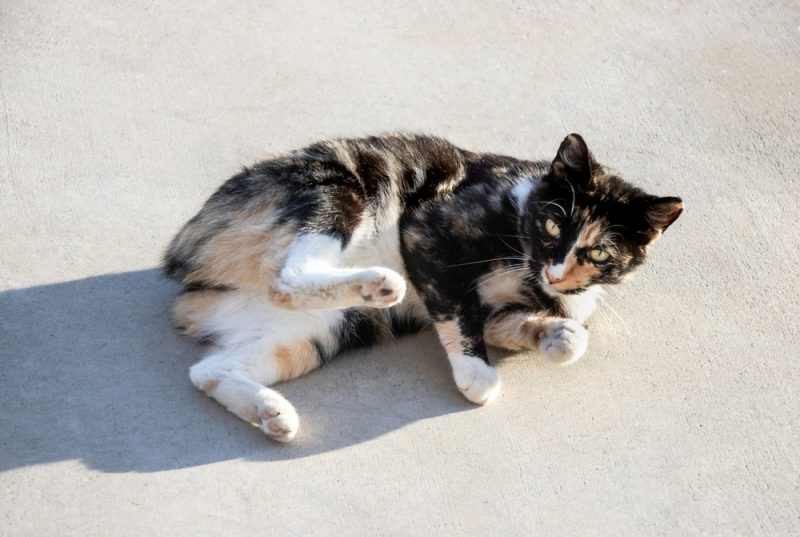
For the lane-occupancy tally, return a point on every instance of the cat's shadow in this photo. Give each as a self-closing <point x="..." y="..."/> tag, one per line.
<point x="91" y="370"/>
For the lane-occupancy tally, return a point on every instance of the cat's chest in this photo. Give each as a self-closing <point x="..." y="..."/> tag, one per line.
<point x="581" y="306"/>
<point x="501" y="287"/>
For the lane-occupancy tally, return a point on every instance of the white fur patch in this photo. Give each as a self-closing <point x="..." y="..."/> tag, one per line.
<point x="556" y="271"/>
<point x="581" y="306"/>
<point x="238" y="372"/>
<point x="521" y="192"/>
<point x="478" y="381"/>
<point x="498" y="289"/>
<point x="311" y="252"/>
<point x="313" y="277"/>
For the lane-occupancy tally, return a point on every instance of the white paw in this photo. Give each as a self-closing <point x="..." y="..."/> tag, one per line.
<point x="278" y="418"/>
<point x="382" y="288"/>
<point x="563" y="340"/>
<point x="478" y="381"/>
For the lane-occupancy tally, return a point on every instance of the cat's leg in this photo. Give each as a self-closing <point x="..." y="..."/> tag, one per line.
<point x="312" y="278"/>
<point x="474" y="377"/>
<point x="257" y="345"/>
<point x="460" y="332"/>
<point x="517" y="328"/>
<point x="238" y="377"/>
<point x="238" y="374"/>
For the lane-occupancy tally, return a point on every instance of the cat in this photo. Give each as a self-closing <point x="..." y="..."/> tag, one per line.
<point x="351" y="242"/>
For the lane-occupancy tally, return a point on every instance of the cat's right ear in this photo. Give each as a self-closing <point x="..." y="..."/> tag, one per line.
<point x="573" y="161"/>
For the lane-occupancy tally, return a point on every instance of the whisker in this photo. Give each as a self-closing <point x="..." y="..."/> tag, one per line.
<point x="514" y="249"/>
<point x="513" y="269"/>
<point x="504" y="271"/>
<point x="572" y="210"/>
<point x="507" y="258"/>
<point x="611" y="247"/>
<point x="521" y="237"/>
<point x="619" y="318"/>
<point x="546" y="203"/>
<point x="604" y="316"/>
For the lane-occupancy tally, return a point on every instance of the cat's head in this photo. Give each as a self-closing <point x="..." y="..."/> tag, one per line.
<point x="587" y="225"/>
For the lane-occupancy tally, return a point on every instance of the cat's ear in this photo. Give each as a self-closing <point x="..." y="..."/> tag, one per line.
<point x="573" y="161"/>
<point x="660" y="213"/>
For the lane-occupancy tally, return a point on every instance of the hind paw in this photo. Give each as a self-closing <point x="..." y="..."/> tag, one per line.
<point x="279" y="420"/>
<point x="382" y="288"/>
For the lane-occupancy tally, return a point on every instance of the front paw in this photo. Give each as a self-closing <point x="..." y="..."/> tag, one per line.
<point x="478" y="381"/>
<point x="563" y="340"/>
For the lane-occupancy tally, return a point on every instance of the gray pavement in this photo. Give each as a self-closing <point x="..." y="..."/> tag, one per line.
<point x="118" y="119"/>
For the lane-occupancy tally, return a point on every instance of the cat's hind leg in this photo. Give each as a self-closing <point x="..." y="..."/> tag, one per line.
<point x="238" y="375"/>
<point x="256" y="345"/>
<point x="312" y="278"/>
<point x="237" y="378"/>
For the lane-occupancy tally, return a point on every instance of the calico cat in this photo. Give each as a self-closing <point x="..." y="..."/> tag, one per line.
<point x="350" y="242"/>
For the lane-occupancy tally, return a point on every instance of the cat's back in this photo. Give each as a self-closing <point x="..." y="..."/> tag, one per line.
<point x="395" y="162"/>
<point x="353" y="189"/>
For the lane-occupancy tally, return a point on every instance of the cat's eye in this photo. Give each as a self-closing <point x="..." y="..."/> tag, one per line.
<point x="552" y="228"/>
<point x="598" y="254"/>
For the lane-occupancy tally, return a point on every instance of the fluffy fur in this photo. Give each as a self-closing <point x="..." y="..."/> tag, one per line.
<point x="349" y="243"/>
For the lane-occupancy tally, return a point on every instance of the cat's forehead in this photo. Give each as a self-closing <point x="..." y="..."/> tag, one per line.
<point x="589" y="217"/>
<point x="591" y="232"/>
<point x="609" y="206"/>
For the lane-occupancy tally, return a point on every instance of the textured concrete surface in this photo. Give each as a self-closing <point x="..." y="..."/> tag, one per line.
<point x="118" y="119"/>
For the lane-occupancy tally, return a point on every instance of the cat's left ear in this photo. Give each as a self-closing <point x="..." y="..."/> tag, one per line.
<point x="574" y="161"/>
<point x="660" y="213"/>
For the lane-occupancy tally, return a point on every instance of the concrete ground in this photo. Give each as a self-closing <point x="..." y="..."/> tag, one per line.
<point x="120" y="118"/>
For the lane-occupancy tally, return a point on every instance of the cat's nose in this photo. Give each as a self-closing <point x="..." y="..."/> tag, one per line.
<point x="555" y="272"/>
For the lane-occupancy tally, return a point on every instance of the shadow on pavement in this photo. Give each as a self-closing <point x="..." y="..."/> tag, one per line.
<point x="91" y="370"/>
